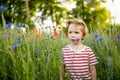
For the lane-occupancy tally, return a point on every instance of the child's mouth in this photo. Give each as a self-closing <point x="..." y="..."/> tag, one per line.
<point x="73" y="40"/>
<point x="77" y="39"/>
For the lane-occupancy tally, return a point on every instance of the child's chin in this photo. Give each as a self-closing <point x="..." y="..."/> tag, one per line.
<point x="74" y="42"/>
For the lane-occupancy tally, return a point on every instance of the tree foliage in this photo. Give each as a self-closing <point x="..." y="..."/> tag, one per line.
<point x="90" y="10"/>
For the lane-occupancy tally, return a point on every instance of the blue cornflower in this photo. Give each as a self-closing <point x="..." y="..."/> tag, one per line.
<point x="3" y="8"/>
<point x="18" y="41"/>
<point x="19" y="25"/>
<point x="59" y="32"/>
<point x="100" y="39"/>
<point x="96" y="35"/>
<point x="42" y="17"/>
<point x="78" y="39"/>
<point x="37" y="49"/>
<point x="51" y="37"/>
<point x="8" y="25"/>
<point x="15" y="46"/>
<point x="119" y="37"/>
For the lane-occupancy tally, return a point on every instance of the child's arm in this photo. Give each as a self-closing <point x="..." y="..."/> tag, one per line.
<point x="93" y="72"/>
<point x="61" y="72"/>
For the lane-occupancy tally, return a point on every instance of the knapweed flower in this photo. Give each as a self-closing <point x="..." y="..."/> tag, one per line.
<point x="3" y="8"/>
<point x="15" y="46"/>
<point x="100" y="39"/>
<point x="8" y="25"/>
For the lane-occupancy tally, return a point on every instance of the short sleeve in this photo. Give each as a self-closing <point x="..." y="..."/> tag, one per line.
<point x="61" y="57"/>
<point x="92" y="58"/>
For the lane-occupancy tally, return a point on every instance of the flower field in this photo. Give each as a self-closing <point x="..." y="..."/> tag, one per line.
<point x="23" y="57"/>
<point x="36" y="56"/>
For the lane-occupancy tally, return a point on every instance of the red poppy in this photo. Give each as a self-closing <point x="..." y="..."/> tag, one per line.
<point x="35" y="33"/>
<point x="59" y="27"/>
<point x="53" y="26"/>
<point x="55" y="34"/>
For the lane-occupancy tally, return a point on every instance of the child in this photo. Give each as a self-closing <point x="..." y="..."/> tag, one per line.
<point x="78" y="59"/>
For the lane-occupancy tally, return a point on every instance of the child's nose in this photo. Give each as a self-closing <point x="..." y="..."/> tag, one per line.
<point x="73" y="35"/>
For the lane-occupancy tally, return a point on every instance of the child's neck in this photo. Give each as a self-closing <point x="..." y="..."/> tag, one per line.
<point x="77" y="47"/>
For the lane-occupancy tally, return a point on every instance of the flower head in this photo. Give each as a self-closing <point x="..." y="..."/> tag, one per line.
<point x="55" y="34"/>
<point x="3" y="8"/>
<point x="15" y="46"/>
<point x="42" y="17"/>
<point x="8" y="25"/>
<point x="78" y="39"/>
<point x="117" y="36"/>
<point x="37" y="49"/>
<point x="51" y="37"/>
<point x="20" y="24"/>
<point x="100" y="39"/>
<point x="18" y="41"/>
<point x="96" y="35"/>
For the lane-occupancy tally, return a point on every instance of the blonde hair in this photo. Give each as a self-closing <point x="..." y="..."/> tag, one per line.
<point x="80" y="22"/>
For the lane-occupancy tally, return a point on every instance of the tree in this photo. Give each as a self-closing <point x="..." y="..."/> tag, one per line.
<point x="92" y="13"/>
<point x="90" y="10"/>
<point x="22" y="10"/>
<point x="27" y="11"/>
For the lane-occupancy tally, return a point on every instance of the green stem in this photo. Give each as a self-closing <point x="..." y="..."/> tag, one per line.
<point x="3" y="20"/>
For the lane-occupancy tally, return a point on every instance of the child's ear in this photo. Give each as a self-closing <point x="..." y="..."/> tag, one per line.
<point x="82" y="37"/>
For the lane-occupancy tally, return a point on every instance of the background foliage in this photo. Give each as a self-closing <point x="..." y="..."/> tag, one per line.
<point x="90" y="10"/>
<point x="32" y="56"/>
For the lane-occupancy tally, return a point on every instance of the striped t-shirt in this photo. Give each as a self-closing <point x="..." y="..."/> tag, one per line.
<point x="78" y="64"/>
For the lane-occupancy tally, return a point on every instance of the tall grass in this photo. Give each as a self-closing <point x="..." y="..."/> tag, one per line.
<point x="27" y="58"/>
<point x="106" y="46"/>
<point x="23" y="57"/>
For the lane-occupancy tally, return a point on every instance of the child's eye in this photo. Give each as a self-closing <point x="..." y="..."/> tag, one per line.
<point x="76" y="32"/>
<point x="69" y="32"/>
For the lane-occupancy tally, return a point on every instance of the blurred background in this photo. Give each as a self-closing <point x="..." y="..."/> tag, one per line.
<point x="55" y="12"/>
<point x="33" y="33"/>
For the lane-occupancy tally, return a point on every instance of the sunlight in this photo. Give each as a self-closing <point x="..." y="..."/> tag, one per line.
<point x="114" y="9"/>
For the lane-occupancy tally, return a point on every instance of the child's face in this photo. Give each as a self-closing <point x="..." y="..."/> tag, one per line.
<point x="74" y="33"/>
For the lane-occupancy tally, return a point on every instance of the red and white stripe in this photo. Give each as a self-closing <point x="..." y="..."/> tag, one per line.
<point x="78" y="64"/>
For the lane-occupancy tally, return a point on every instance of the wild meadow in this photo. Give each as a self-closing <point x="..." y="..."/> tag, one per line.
<point x="36" y="56"/>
